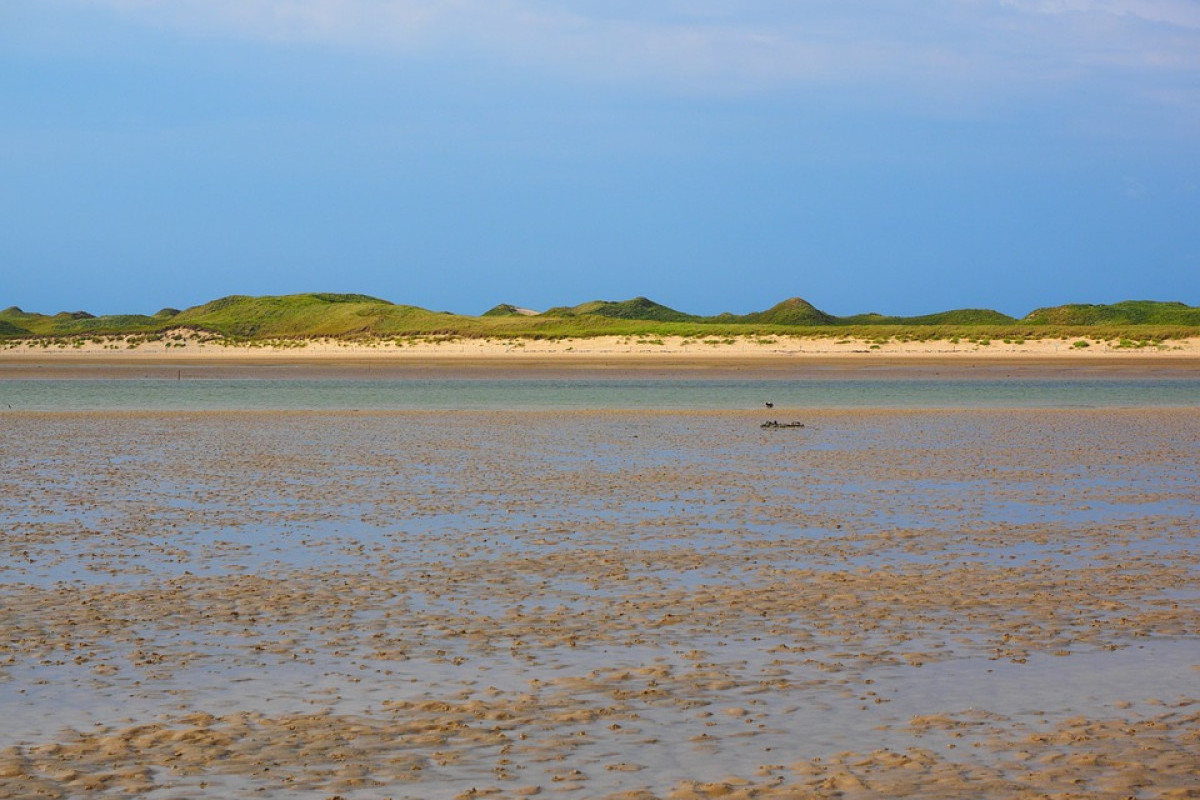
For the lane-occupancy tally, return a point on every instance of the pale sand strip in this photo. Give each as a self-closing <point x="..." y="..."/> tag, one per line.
<point x="600" y="357"/>
<point x="626" y="349"/>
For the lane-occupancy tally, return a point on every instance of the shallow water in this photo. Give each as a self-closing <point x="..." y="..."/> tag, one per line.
<point x="596" y="602"/>
<point x="611" y="393"/>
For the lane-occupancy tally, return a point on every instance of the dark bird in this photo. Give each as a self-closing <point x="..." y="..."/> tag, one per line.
<point x="769" y="405"/>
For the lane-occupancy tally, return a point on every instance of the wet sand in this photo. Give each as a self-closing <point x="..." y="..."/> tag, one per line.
<point x="600" y="604"/>
<point x="877" y="367"/>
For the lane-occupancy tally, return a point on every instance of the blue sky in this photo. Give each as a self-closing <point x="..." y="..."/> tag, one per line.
<point x="715" y="155"/>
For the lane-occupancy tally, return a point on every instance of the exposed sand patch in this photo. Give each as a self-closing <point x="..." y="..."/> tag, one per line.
<point x="187" y="347"/>
<point x="600" y="604"/>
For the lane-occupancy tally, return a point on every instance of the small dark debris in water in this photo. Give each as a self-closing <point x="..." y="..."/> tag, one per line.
<point x="776" y="424"/>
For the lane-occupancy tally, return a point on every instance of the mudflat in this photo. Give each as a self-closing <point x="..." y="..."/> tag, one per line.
<point x="984" y="603"/>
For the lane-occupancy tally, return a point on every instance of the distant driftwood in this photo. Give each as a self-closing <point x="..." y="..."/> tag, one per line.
<point x="776" y="424"/>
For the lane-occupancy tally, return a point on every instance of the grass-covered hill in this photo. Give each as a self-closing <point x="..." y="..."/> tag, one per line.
<point x="66" y="323"/>
<point x="793" y="311"/>
<point x="508" y="310"/>
<point x="961" y="316"/>
<point x="1129" y="312"/>
<point x="241" y="316"/>
<point x="9" y="329"/>
<point x="361" y="316"/>
<point x="305" y="315"/>
<point x="639" y="308"/>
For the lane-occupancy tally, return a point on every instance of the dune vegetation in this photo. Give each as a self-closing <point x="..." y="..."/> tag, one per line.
<point x="1129" y="312"/>
<point x="357" y="316"/>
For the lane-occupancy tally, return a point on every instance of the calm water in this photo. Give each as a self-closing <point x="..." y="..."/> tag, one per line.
<point x="520" y="394"/>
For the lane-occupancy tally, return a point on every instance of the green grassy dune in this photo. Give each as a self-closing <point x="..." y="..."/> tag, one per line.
<point x="793" y="311"/>
<point x="9" y="329"/>
<point x="639" y="308"/>
<point x="1129" y="312"/>
<point x="301" y="316"/>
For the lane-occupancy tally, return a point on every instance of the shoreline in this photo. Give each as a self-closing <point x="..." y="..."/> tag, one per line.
<point x="879" y="369"/>
<point x="781" y="356"/>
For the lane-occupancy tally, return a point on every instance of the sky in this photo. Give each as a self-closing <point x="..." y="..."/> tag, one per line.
<point x="713" y="155"/>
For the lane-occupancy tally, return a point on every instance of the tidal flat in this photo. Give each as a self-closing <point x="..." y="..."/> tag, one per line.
<point x="995" y="603"/>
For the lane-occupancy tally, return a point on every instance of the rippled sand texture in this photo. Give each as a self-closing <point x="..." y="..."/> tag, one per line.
<point x="929" y="604"/>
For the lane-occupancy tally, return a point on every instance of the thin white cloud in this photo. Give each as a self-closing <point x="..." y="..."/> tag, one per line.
<point x="1003" y="44"/>
<point x="1181" y="13"/>
<point x="353" y="22"/>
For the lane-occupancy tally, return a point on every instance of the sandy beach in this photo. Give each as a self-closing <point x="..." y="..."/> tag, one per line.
<point x="633" y="605"/>
<point x="188" y="346"/>
<point x="779" y="357"/>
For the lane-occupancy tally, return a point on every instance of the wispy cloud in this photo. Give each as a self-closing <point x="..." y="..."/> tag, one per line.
<point x="1007" y="45"/>
<point x="1182" y="13"/>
